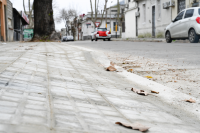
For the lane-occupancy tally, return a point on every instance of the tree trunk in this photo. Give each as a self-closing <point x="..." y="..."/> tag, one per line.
<point x="44" y="25"/>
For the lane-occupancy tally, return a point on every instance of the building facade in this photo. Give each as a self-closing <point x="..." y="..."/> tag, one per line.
<point x="10" y="23"/>
<point x="153" y="18"/>
<point x="149" y="18"/>
<point x="3" y="23"/>
<point x="131" y="9"/>
<point x="19" y="24"/>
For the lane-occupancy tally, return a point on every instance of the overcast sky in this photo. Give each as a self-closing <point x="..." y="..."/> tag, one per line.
<point x="82" y="5"/>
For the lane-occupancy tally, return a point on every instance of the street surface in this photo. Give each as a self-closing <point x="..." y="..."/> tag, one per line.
<point x="175" y="65"/>
<point x="64" y="88"/>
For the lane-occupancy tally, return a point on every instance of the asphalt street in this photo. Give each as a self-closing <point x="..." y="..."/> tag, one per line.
<point x="180" y="54"/>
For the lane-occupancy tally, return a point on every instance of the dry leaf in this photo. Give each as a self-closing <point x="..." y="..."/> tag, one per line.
<point x="140" y="92"/>
<point x="191" y="100"/>
<point x="111" y="68"/>
<point x="112" y="64"/>
<point x="135" y="126"/>
<point x="130" y="70"/>
<point x="154" y="92"/>
<point x="149" y="77"/>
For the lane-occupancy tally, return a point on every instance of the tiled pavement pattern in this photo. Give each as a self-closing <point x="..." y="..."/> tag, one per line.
<point x="56" y="88"/>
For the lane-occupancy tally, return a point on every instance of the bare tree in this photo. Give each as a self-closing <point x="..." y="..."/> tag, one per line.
<point x="66" y="16"/>
<point x="94" y="12"/>
<point x="29" y="13"/>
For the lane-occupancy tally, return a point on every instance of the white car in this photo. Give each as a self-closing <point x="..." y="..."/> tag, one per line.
<point x="101" y="33"/>
<point x="67" y="38"/>
<point x="185" y="26"/>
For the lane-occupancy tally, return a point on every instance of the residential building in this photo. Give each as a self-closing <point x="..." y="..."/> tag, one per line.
<point x="153" y="18"/>
<point x="130" y="13"/>
<point x="10" y="23"/>
<point x="148" y="18"/>
<point x="88" y="26"/>
<point x="3" y="24"/>
<point x="19" y="23"/>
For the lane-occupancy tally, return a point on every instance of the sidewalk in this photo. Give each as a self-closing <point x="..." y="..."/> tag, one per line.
<point x="58" y="88"/>
<point x="148" y="40"/>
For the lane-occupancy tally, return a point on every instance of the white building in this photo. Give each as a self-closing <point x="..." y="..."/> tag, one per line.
<point x="130" y="19"/>
<point x="153" y="18"/>
<point x="88" y="26"/>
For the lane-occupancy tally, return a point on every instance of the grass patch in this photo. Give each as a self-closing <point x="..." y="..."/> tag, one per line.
<point x="160" y="35"/>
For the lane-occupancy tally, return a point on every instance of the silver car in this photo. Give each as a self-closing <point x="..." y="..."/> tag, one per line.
<point x="67" y="38"/>
<point x="185" y="26"/>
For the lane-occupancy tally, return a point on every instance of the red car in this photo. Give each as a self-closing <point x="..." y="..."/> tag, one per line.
<point x="101" y="33"/>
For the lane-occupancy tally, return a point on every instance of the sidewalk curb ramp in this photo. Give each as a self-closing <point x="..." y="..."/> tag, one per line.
<point x="166" y="95"/>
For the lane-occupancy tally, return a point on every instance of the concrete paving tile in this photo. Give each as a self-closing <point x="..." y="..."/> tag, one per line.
<point x="59" y="91"/>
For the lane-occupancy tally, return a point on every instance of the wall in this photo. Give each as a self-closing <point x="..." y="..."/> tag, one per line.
<point x="3" y="3"/>
<point x="161" y="20"/>
<point x="10" y="30"/>
<point x="130" y="20"/>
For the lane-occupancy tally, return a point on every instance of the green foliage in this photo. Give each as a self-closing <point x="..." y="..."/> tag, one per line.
<point x="127" y="39"/>
<point x="160" y="35"/>
<point x="44" y="39"/>
<point x="145" y="35"/>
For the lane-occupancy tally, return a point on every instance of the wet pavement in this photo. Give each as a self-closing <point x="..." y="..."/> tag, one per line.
<point x="58" y="88"/>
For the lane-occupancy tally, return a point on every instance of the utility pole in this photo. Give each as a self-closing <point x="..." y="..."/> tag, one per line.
<point x="110" y="16"/>
<point x="106" y="12"/>
<point x="118" y="11"/>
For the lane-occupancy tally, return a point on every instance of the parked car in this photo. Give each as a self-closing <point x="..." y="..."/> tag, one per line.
<point x="70" y="38"/>
<point x="64" y="38"/>
<point x="185" y="26"/>
<point x="101" y="33"/>
<point x="67" y="38"/>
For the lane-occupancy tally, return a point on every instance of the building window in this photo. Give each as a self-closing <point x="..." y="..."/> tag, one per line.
<point x="114" y="24"/>
<point x="113" y="10"/>
<point x="159" y="9"/>
<point x="88" y="25"/>
<point x="144" y="12"/>
<point x="181" y="5"/>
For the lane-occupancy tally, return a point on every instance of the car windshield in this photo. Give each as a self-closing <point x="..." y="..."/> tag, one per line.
<point x="102" y="29"/>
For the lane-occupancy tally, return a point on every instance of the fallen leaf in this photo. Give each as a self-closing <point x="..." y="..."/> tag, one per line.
<point x="135" y="126"/>
<point x="191" y="100"/>
<point x="112" y="64"/>
<point x="111" y="68"/>
<point x="154" y="92"/>
<point x="130" y="70"/>
<point x="140" y="92"/>
<point x="149" y="77"/>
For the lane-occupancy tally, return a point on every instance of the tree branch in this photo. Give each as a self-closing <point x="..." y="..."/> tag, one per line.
<point x="24" y="7"/>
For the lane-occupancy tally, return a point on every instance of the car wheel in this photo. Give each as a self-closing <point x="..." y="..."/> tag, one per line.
<point x="109" y="39"/>
<point x="193" y="37"/>
<point x="96" y="39"/>
<point x="91" y="39"/>
<point x="168" y="37"/>
<point x="104" y="39"/>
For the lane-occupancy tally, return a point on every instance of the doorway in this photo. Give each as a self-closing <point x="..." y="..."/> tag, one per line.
<point x="153" y="22"/>
<point x="136" y="26"/>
